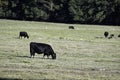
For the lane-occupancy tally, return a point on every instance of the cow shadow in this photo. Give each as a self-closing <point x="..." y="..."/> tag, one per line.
<point x="22" y="79"/>
<point x="35" y="57"/>
<point x="16" y="37"/>
<point x="10" y="79"/>
<point x="99" y="37"/>
<point x="31" y="58"/>
<point x="23" y="56"/>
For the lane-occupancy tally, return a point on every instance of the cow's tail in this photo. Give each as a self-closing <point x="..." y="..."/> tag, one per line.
<point x="19" y="36"/>
<point x="32" y="52"/>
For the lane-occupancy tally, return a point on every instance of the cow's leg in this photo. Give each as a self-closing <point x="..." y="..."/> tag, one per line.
<point x="44" y="56"/>
<point x="48" y="56"/>
<point x="19" y="37"/>
<point x="32" y="55"/>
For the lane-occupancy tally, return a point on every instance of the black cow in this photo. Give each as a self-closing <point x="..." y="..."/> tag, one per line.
<point x="119" y="35"/>
<point x="23" y="34"/>
<point x="41" y="48"/>
<point x="111" y="36"/>
<point x="106" y="34"/>
<point x="71" y="27"/>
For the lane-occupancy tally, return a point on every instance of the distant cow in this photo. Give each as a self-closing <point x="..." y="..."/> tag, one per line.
<point x="111" y="36"/>
<point x="71" y="27"/>
<point x="106" y="34"/>
<point x="41" y="48"/>
<point x="119" y="35"/>
<point x="23" y="34"/>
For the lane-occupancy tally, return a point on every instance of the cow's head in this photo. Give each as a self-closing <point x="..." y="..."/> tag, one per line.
<point x="54" y="56"/>
<point x="27" y="36"/>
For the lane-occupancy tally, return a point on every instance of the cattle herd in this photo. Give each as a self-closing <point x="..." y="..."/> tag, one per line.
<point x="40" y="48"/>
<point x="46" y="49"/>
<point x="106" y="34"/>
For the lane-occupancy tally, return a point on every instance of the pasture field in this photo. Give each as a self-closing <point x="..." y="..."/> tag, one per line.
<point x="82" y="54"/>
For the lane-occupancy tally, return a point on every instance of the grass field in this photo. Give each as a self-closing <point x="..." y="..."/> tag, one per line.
<point x="82" y="54"/>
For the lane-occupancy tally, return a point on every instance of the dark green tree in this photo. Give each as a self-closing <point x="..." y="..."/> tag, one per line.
<point x="90" y="11"/>
<point x="80" y="11"/>
<point x="3" y="8"/>
<point x="61" y="12"/>
<point x="114" y="17"/>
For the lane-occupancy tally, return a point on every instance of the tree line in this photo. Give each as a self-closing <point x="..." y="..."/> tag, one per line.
<point x="66" y="11"/>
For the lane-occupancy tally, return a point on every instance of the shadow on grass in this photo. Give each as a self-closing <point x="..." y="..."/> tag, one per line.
<point x="10" y="79"/>
<point x="30" y="57"/>
<point x="34" y="57"/>
<point x="99" y="37"/>
<point x="16" y="37"/>
<point x="19" y="38"/>
<point x="23" y="56"/>
<point x="22" y="79"/>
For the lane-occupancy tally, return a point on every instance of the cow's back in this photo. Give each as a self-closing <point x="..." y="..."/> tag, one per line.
<point x="24" y="34"/>
<point x="40" y="48"/>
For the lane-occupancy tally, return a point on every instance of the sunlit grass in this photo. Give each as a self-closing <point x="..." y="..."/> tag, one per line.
<point x="82" y="53"/>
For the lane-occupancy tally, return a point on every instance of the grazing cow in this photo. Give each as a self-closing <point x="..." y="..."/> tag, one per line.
<point x="106" y="34"/>
<point x="41" y="48"/>
<point x="23" y="34"/>
<point x="71" y="27"/>
<point x="111" y="36"/>
<point x="119" y="35"/>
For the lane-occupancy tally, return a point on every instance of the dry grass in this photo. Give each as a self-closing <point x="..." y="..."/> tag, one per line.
<point x="82" y="53"/>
